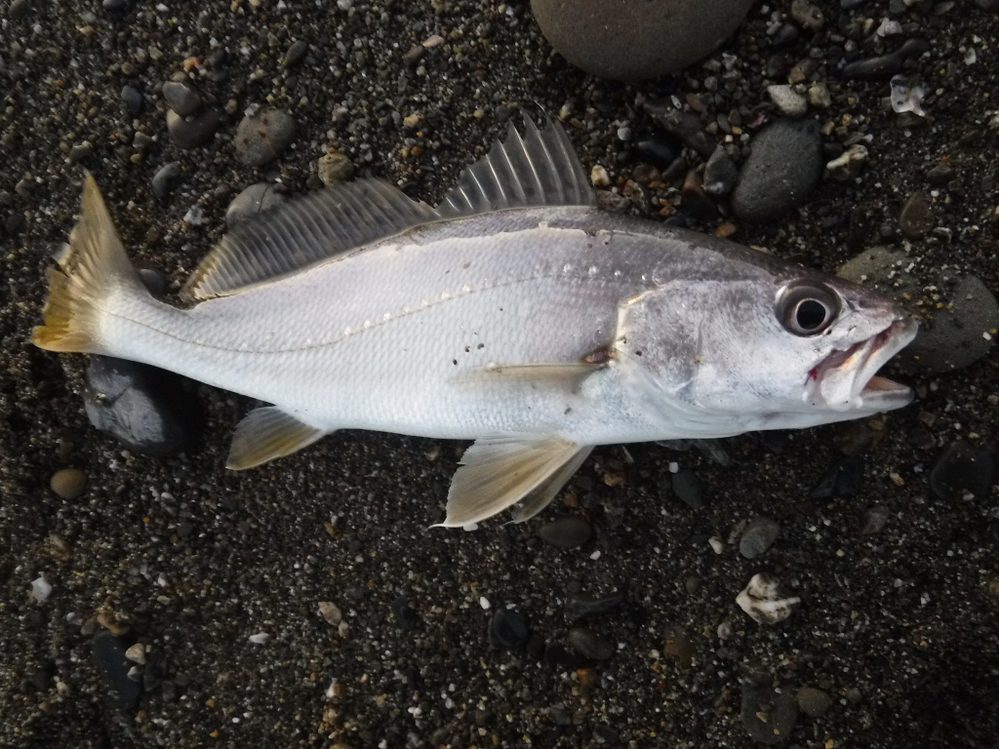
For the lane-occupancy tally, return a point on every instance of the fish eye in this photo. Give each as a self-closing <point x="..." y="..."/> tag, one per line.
<point x="807" y="310"/>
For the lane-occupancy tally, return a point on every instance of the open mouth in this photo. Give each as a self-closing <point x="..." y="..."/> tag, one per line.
<point x="848" y="379"/>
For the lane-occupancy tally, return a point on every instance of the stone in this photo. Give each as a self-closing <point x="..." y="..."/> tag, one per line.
<point x="263" y="137"/>
<point x="335" y="168"/>
<point x="813" y="702"/>
<point x="783" y="168"/>
<point x="916" y="219"/>
<point x="589" y="644"/>
<point x="842" y="480"/>
<point x="295" y="54"/>
<point x="80" y="151"/>
<point x="874" y="521"/>
<point x="164" y="179"/>
<point x="720" y="173"/>
<point x="181" y="98"/>
<point x="963" y="469"/>
<point x="878" y="68"/>
<point x="69" y="483"/>
<point x="509" y="629"/>
<point x="194" y="131"/>
<point x="769" y="715"/>
<point x="788" y="101"/>
<point x="405" y="615"/>
<point x="632" y="40"/>
<point x="808" y="15"/>
<point x="758" y="536"/>
<point x="580" y="606"/>
<point x="658" y="150"/>
<point x="567" y="532"/>
<point x="766" y="601"/>
<point x="251" y="201"/>
<point x="684" y="125"/>
<point x="687" y="489"/>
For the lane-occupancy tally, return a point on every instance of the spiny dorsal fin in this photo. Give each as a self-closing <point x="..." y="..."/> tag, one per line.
<point x="539" y="169"/>
<point x="304" y="232"/>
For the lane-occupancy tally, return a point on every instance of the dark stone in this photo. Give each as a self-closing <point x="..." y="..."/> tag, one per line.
<point x="915" y="47"/>
<point x="262" y="137"/>
<point x="164" y="179"/>
<point x="874" y="521"/>
<point x="133" y="100"/>
<point x="108" y="653"/>
<point x="148" y="409"/>
<point x="181" y="98"/>
<point x="684" y="125"/>
<point x="405" y="616"/>
<point x="687" y="489"/>
<point x="41" y="676"/>
<point x="842" y="480"/>
<point x="590" y="645"/>
<point x="193" y="131"/>
<point x="940" y="175"/>
<point x="769" y="716"/>
<point x="963" y="467"/>
<point x="567" y="532"/>
<point x="874" y="68"/>
<point x="580" y="606"/>
<point x="813" y="702"/>
<point x="916" y="219"/>
<point x="695" y="200"/>
<point x="658" y="150"/>
<point x="295" y="54"/>
<point x="758" y="536"/>
<point x="508" y="629"/>
<point x="720" y="173"/>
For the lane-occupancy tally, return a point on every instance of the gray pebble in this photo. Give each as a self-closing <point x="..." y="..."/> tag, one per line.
<point x="261" y="138"/>
<point x="251" y="201"/>
<point x="193" y="131"/>
<point x="758" y="536"/>
<point x="295" y="54"/>
<point x="784" y="167"/>
<point x="916" y="219"/>
<point x="589" y="644"/>
<point x="80" y="151"/>
<point x="132" y="99"/>
<point x="941" y="174"/>
<point x="164" y="179"/>
<point x="768" y="715"/>
<point x="580" y="606"/>
<point x="807" y="15"/>
<point x="181" y="98"/>
<point x="874" y="68"/>
<point x="686" y="487"/>
<point x="874" y="520"/>
<point x="567" y="532"/>
<point x="788" y="101"/>
<point x="720" y="173"/>
<point x="813" y="702"/>
<point x="334" y="169"/>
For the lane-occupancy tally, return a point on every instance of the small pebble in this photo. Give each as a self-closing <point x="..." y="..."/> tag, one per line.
<point x="580" y="606"/>
<point x="813" y="702"/>
<point x="69" y="483"/>
<point x="659" y="150"/>
<point x="262" y="137"/>
<point x="818" y="96"/>
<point x="567" y="532"/>
<point x="260" y="638"/>
<point x="136" y="653"/>
<point x="194" y="131"/>
<point x="251" y="201"/>
<point x="684" y="125"/>
<point x="80" y="152"/>
<point x="165" y="178"/>
<point x="295" y="54"/>
<point x="788" y="101"/>
<point x="599" y="176"/>
<point x="40" y="589"/>
<point x="589" y="644"/>
<point x="509" y="629"/>
<point x="808" y="15"/>
<point x="687" y="489"/>
<point x="720" y="173"/>
<point x="330" y="613"/>
<point x="847" y="165"/>
<point x="181" y="98"/>
<point x="874" y="521"/>
<point x="335" y="168"/>
<point x="874" y="68"/>
<point x="758" y="536"/>
<point x="766" y="601"/>
<point x="916" y="219"/>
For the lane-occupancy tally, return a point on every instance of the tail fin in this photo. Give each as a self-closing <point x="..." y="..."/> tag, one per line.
<point x="91" y="268"/>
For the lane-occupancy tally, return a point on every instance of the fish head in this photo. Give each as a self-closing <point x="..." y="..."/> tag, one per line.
<point x="768" y="350"/>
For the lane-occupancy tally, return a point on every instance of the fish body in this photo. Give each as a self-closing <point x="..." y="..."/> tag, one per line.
<point x="516" y="314"/>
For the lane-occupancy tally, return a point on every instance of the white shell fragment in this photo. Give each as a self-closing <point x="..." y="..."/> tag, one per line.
<point x="40" y="589"/>
<point x="136" y="653"/>
<point x="766" y="601"/>
<point x="906" y="98"/>
<point x="261" y="638"/>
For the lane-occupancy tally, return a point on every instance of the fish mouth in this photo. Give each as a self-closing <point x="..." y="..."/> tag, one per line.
<point x="848" y="380"/>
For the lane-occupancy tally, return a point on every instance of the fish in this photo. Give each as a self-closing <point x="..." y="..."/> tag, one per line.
<point x="515" y="314"/>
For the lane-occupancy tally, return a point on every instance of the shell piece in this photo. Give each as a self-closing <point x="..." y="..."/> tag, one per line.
<point x="766" y="601"/>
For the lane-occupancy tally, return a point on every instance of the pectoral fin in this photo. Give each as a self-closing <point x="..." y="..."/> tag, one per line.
<point x="268" y="433"/>
<point x="498" y="472"/>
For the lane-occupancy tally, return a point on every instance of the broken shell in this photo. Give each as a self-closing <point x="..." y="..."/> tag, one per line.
<point x="766" y="601"/>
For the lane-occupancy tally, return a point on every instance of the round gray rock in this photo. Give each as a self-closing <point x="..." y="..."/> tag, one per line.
<point x="193" y="131"/>
<point x="263" y="137"/>
<point x="784" y="167"/>
<point x="251" y="201"/>
<point x="759" y="536"/>
<point x="181" y="98"/>
<point x="633" y="40"/>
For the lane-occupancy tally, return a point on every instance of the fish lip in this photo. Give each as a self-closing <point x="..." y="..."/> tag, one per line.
<point x="849" y="380"/>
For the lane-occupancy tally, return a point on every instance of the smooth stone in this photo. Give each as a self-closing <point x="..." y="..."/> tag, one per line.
<point x="79" y="152"/>
<point x="758" y="536"/>
<point x="769" y="716"/>
<point x="808" y="15"/>
<point x="687" y="489"/>
<point x="405" y="615"/>
<point x="580" y="606"/>
<point x="783" y="168"/>
<point x="916" y="219"/>
<point x="181" y="98"/>
<point x="720" y="173"/>
<point x="788" y="101"/>
<point x="69" y="483"/>
<point x="629" y="40"/>
<point x="262" y="137"/>
<point x="874" y="68"/>
<point x="658" y="150"/>
<point x="164" y="179"/>
<point x="509" y="629"/>
<point x="940" y="175"/>
<point x="148" y="409"/>
<point x="679" y="646"/>
<point x="108" y="653"/>
<point x="567" y="532"/>
<point x="251" y="201"/>
<point x="133" y="100"/>
<point x="334" y="169"/>
<point x="813" y="702"/>
<point x="589" y="644"/>
<point x="842" y="480"/>
<point x="874" y="521"/>
<point x="963" y="467"/>
<point x="295" y="54"/>
<point x="194" y="131"/>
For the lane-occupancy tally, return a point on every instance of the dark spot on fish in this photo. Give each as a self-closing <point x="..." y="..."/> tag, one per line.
<point x="481" y="345"/>
<point x="638" y="353"/>
<point x="454" y="362"/>
<point x="567" y="410"/>
<point x="467" y="349"/>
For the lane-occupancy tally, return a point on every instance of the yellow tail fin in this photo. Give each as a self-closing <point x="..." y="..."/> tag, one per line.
<point x="91" y="268"/>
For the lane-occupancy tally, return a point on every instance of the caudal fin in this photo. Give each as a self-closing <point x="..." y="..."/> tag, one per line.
<point x="92" y="268"/>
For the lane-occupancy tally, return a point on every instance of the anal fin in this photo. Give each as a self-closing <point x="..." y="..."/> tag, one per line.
<point x="497" y="472"/>
<point x="268" y="433"/>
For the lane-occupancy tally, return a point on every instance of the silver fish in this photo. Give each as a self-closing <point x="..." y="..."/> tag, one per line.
<point x="515" y="314"/>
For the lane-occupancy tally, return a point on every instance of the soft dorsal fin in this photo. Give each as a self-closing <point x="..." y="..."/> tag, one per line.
<point x="539" y="169"/>
<point x="303" y="232"/>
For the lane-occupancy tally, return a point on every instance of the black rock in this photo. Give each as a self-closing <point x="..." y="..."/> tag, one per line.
<point x="758" y="536"/>
<point x="658" y="150"/>
<point x="405" y="616"/>
<point x="684" y="125"/>
<point x="686" y="487"/>
<point x="842" y="480"/>
<point x="150" y="410"/>
<point x="720" y="173"/>
<point x="296" y="53"/>
<point x="963" y="467"/>
<point x="193" y="131"/>
<point x="580" y="606"/>
<point x="874" y="68"/>
<point x="590" y="645"/>
<point x="769" y="716"/>
<point x="508" y="629"/>
<point x="181" y="98"/>
<point x="108" y="653"/>
<point x="132" y="98"/>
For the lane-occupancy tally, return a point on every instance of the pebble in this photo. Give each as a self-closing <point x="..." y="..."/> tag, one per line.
<point x="818" y="96"/>
<point x="589" y="644"/>
<point x="599" y="176"/>
<point x="768" y="715"/>
<point x="684" y="125"/>
<point x="330" y="612"/>
<point x="788" y="101"/>
<point x="758" y="536"/>
<point x="137" y="653"/>
<point x="147" y="409"/>
<point x="69" y="483"/>
<point x="18" y="9"/>
<point x="782" y="170"/>
<point x="842" y="480"/>
<point x="41" y="589"/>
<point x="80" y="151"/>
<point x="164" y="179"/>
<point x="658" y="150"/>
<point x="874" y="521"/>
<point x="108" y="653"/>
<point x="181" y="98"/>
<point x="251" y="201"/>
<point x="133" y="100"/>
<point x="961" y="469"/>
<point x="695" y="201"/>
<point x="567" y="532"/>
<point x="940" y="175"/>
<point x="679" y="646"/>
<point x="295" y="54"/>
<point x="687" y="489"/>
<point x="194" y="131"/>
<point x="580" y="606"/>
<point x="627" y="40"/>
<point x="813" y="702"/>
<point x="405" y="615"/>
<point x="882" y="67"/>
<point x="335" y="168"/>
<point x="720" y="173"/>
<point x="262" y="137"/>
<point x="808" y="15"/>
<point x="509" y="629"/>
<point x="766" y="601"/>
<point x="916" y="219"/>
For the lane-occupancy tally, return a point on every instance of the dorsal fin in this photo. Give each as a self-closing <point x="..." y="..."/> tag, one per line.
<point x="303" y="232"/>
<point x="539" y="169"/>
